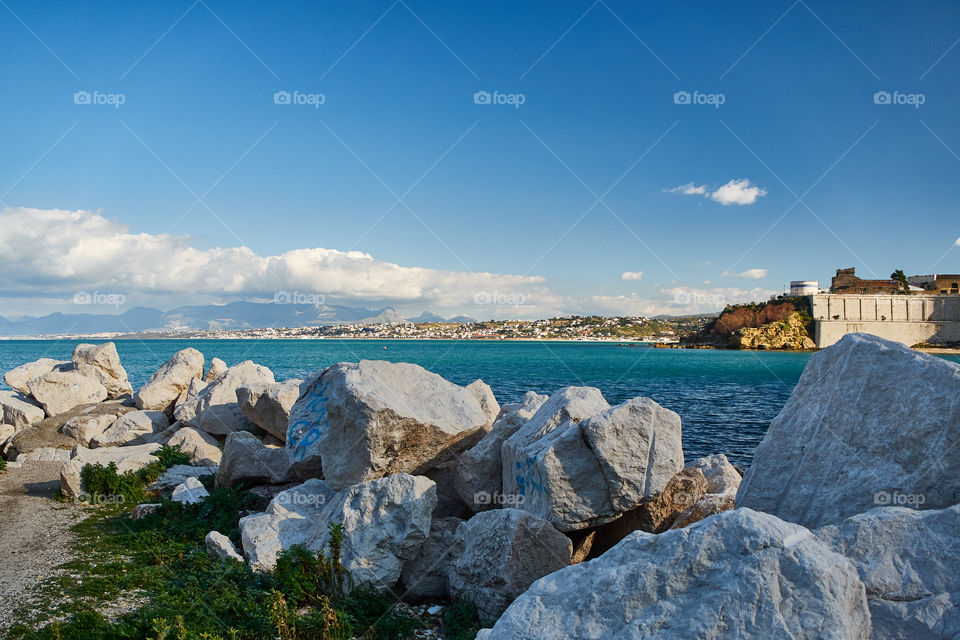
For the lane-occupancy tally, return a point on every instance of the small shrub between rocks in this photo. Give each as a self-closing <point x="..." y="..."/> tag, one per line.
<point x="462" y="620"/>
<point x="130" y="486"/>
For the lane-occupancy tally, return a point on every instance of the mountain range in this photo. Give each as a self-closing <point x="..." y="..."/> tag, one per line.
<point x="235" y="315"/>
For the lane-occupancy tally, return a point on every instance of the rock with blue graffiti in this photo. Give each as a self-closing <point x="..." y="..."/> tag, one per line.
<point x="370" y="419"/>
<point x="579" y="463"/>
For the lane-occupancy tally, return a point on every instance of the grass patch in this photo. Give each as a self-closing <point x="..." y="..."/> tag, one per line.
<point x="188" y="595"/>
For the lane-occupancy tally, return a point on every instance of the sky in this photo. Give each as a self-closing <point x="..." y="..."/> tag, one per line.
<point x="496" y="159"/>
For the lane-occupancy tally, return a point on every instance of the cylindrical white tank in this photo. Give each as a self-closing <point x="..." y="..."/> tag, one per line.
<point x="804" y="287"/>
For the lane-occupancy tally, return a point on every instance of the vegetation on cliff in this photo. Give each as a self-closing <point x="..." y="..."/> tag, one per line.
<point x="784" y="323"/>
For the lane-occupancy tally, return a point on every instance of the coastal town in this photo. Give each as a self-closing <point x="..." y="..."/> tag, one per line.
<point x="577" y="328"/>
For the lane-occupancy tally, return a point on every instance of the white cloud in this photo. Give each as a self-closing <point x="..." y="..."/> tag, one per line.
<point x="692" y="300"/>
<point x="688" y="189"/>
<point x="753" y="274"/>
<point x="631" y="275"/>
<point x="45" y="253"/>
<point x="958" y="242"/>
<point x="737" y="192"/>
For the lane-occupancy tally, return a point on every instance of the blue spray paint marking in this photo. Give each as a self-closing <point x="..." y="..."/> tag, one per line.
<point x="313" y="426"/>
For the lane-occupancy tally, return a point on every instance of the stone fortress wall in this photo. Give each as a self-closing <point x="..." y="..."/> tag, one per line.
<point x="909" y="319"/>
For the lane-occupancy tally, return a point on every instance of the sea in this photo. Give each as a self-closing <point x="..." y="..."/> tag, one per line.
<point x="726" y="399"/>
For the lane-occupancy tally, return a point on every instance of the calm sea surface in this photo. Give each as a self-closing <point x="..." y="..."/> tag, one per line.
<point x="725" y="398"/>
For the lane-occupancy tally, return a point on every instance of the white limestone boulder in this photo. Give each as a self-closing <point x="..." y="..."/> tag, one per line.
<point x="268" y="404"/>
<point x="247" y="461"/>
<point x="385" y="523"/>
<point x="497" y="555"/>
<point x="290" y="519"/>
<point x="479" y="474"/>
<point x="909" y="562"/>
<point x="484" y="395"/>
<point x="178" y="474"/>
<point x="101" y="361"/>
<point x="202" y="448"/>
<point x="169" y="381"/>
<point x="196" y="386"/>
<point x="220" y="547"/>
<point x="131" y="426"/>
<point x="44" y="454"/>
<point x="723" y="479"/>
<point x="18" y="410"/>
<point x="869" y="419"/>
<point x="191" y="491"/>
<point x="371" y="419"/>
<point x="579" y="463"/>
<point x="18" y="377"/>
<point x="741" y="574"/>
<point x="214" y="409"/>
<point x="60" y="391"/>
<point x="7" y="431"/>
<point x="86" y="427"/>
<point x="217" y="368"/>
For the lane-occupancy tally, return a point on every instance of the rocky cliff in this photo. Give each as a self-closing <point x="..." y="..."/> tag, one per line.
<point x="790" y="334"/>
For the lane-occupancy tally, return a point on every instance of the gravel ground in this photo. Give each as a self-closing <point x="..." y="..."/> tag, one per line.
<point x="35" y="533"/>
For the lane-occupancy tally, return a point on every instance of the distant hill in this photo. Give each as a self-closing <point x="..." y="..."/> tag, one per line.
<point x="426" y="317"/>
<point x="236" y="315"/>
<point x="461" y="319"/>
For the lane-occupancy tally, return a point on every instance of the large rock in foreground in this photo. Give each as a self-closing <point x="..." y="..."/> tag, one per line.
<point x="371" y="419"/>
<point x="497" y="554"/>
<point x="740" y="574"/>
<point x="871" y="423"/>
<point x="385" y="523"/>
<point x="214" y="409"/>
<point x="909" y="562"/>
<point x="170" y="380"/>
<point x="290" y="519"/>
<point x="579" y="463"/>
<point x="102" y="362"/>
<point x="268" y="404"/>
<point x="60" y="391"/>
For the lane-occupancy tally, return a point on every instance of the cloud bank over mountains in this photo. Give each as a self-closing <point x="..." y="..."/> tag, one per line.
<point x="49" y="256"/>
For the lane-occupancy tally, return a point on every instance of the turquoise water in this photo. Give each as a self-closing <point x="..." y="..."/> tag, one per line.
<point x="725" y="398"/>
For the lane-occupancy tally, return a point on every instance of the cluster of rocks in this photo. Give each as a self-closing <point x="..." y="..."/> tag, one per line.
<point x="561" y="516"/>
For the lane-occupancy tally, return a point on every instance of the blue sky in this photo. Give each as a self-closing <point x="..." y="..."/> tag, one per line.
<point x="198" y="187"/>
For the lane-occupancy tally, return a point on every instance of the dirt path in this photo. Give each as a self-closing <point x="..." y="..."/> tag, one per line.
<point x="35" y="534"/>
